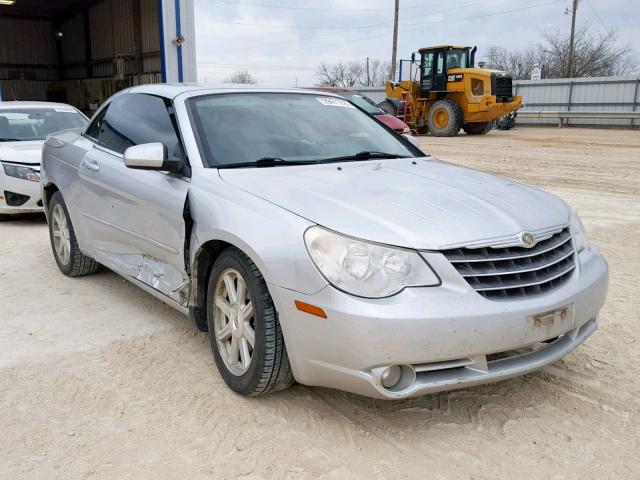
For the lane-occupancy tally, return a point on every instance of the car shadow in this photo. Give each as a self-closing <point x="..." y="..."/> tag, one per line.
<point x="24" y="219"/>
<point x="486" y="406"/>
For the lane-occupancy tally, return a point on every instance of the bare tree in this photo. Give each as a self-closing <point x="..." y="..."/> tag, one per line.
<point x="379" y="72"/>
<point x="518" y="63"/>
<point x="241" y="76"/>
<point x="596" y="55"/>
<point x="353" y="74"/>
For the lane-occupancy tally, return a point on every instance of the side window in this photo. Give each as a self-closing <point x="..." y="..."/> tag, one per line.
<point x="440" y="64"/>
<point x="136" y="118"/>
<point x="427" y="63"/>
<point x="94" y="128"/>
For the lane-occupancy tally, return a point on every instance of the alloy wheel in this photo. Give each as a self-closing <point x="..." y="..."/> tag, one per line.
<point x="234" y="322"/>
<point x="61" y="237"/>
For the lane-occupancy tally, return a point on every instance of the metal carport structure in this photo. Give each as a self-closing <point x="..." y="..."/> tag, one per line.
<point x="82" y="51"/>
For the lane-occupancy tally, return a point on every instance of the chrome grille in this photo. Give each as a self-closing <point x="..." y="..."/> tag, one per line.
<point x="511" y="272"/>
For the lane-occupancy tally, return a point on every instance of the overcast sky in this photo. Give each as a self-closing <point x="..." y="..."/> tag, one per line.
<point x="281" y="42"/>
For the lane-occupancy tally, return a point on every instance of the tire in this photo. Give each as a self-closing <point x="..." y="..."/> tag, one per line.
<point x="445" y="118"/>
<point x="71" y="261"/>
<point x="390" y="106"/>
<point x="507" y="122"/>
<point x="481" y="128"/>
<point x="268" y="369"/>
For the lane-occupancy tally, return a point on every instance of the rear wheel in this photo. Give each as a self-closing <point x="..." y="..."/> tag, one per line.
<point x="445" y="118"/>
<point x="71" y="261"/>
<point x="244" y="330"/>
<point x="480" y="128"/>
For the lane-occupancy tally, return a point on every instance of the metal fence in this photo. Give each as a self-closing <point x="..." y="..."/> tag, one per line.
<point x="588" y="95"/>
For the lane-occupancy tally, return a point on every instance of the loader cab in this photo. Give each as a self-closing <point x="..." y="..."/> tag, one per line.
<point x="436" y="62"/>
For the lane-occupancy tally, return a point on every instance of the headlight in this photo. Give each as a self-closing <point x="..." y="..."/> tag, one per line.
<point x="20" y="171"/>
<point x="406" y="131"/>
<point x="578" y="233"/>
<point x="366" y="269"/>
<point x="477" y="87"/>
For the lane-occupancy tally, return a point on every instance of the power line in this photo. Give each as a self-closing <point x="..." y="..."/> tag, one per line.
<point x="348" y="29"/>
<point x="421" y="25"/>
<point x="596" y="13"/>
<point x="528" y="7"/>
<point x="319" y="9"/>
<point x="248" y="65"/>
<point x="342" y="27"/>
<point x="313" y="27"/>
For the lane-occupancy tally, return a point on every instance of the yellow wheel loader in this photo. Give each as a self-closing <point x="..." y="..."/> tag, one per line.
<point x="448" y="94"/>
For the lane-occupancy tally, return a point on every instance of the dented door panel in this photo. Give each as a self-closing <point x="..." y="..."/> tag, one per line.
<point x="135" y="220"/>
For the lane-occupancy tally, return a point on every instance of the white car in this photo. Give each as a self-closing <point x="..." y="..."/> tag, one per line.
<point x="23" y="129"/>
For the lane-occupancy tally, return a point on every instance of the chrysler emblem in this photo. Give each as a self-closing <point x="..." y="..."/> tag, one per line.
<point x="528" y="240"/>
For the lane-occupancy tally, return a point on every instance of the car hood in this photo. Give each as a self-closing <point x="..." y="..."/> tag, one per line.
<point x="420" y="203"/>
<point x="392" y="122"/>
<point x="22" y="152"/>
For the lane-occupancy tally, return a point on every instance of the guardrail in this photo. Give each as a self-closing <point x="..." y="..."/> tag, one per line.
<point x="562" y="116"/>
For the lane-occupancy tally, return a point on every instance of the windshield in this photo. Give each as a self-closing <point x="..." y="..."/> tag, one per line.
<point x="245" y="127"/>
<point x="364" y="103"/>
<point x="456" y="59"/>
<point x="36" y="124"/>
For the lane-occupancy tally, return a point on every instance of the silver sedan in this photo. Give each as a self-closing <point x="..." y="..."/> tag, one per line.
<point x="315" y="244"/>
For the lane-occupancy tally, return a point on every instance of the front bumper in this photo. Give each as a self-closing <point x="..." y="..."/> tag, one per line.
<point x="488" y="109"/>
<point x="21" y="187"/>
<point x="444" y="337"/>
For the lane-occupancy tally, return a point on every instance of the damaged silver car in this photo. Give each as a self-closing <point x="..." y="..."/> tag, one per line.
<point x="315" y="244"/>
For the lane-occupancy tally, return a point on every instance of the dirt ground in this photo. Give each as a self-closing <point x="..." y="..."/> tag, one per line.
<point x="99" y="380"/>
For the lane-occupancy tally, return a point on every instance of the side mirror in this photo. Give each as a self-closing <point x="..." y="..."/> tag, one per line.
<point x="150" y="156"/>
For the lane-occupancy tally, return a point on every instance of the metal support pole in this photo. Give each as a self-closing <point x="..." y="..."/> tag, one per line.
<point x="635" y="99"/>
<point x="569" y="101"/>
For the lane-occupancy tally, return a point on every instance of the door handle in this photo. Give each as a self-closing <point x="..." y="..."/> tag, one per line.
<point x="90" y="165"/>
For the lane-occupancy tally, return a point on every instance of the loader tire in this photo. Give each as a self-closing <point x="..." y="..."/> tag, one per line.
<point x="481" y="128"/>
<point x="445" y="118"/>
<point x="390" y="106"/>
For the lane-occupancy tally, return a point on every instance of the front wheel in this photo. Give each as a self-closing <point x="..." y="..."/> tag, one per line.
<point x="244" y="331"/>
<point x="445" y="118"/>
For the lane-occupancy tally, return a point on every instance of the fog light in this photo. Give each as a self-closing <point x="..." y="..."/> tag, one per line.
<point x="390" y="376"/>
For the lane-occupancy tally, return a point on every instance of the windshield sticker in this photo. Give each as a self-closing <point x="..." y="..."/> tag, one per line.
<point x="65" y="110"/>
<point x="334" y="102"/>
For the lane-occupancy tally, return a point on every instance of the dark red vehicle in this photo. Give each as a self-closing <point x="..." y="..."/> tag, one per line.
<point x="369" y="106"/>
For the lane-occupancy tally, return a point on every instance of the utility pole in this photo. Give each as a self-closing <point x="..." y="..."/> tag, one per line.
<point x="368" y="77"/>
<point x="574" y="10"/>
<point x="394" y="53"/>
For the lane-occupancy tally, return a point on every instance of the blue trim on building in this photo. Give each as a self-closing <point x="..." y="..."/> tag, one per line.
<point x="163" y="64"/>
<point x="179" y="47"/>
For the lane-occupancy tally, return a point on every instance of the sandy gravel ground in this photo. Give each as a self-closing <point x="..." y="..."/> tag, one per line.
<point x="99" y="380"/>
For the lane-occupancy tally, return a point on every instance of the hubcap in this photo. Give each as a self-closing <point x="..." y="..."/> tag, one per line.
<point x="61" y="237"/>
<point x="441" y="118"/>
<point x="234" y="322"/>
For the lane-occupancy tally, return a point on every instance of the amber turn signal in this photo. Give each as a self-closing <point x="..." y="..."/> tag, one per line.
<point x="310" y="309"/>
